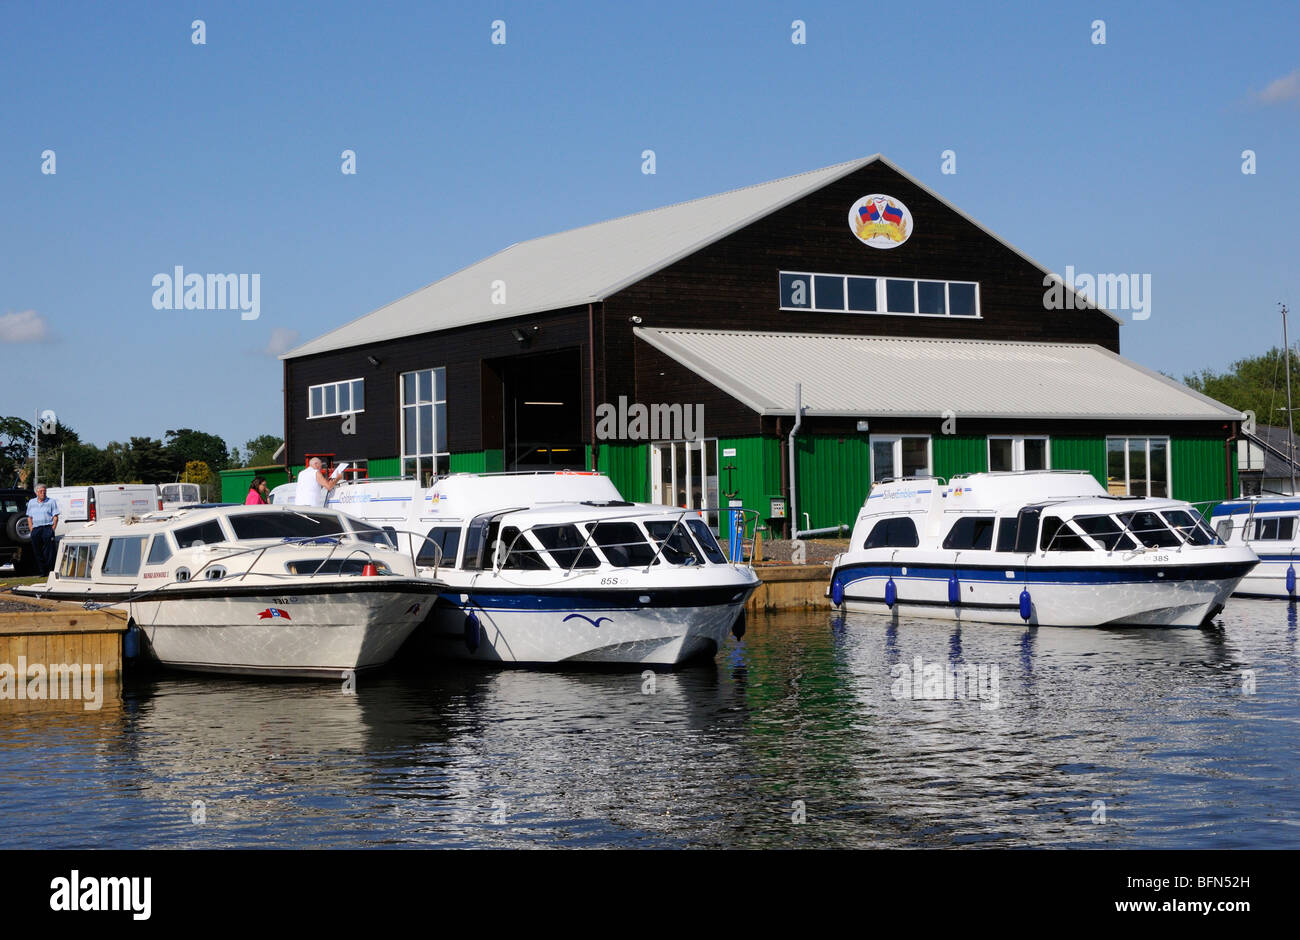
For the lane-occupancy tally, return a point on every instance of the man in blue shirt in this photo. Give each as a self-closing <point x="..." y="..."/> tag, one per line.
<point x="43" y="516"/>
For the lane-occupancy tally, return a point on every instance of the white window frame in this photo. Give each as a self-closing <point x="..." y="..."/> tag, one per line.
<point x="897" y="453"/>
<point x="425" y="461"/>
<point x="696" y="464"/>
<point x="1018" y="449"/>
<point x="881" y="295"/>
<point x="313" y="415"/>
<point x="1128" y="473"/>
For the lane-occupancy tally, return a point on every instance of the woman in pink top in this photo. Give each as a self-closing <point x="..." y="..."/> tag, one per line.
<point x="257" y="495"/>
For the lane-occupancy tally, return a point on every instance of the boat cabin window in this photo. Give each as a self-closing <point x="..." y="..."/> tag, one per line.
<point x="440" y="546"/>
<point x="1027" y="529"/>
<point x="971" y="532"/>
<point x="1224" y="528"/>
<point x="622" y="543"/>
<point x="334" y="566"/>
<point x="678" y="549"/>
<point x="521" y="554"/>
<point x="481" y="532"/>
<point x="373" y="535"/>
<point x="1150" y="530"/>
<point x="704" y="535"/>
<point x="205" y="533"/>
<point x="899" y="532"/>
<point x="1190" y="526"/>
<point x="1106" y="532"/>
<point x="1057" y="536"/>
<point x="160" y="550"/>
<point x="122" y="559"/>
<point x="284" y="525"/>
<point x="1007" y="535"/>
<point x="1276" y="529"/>
<point x="78" y="560"/>
<point x="566" y="545"/>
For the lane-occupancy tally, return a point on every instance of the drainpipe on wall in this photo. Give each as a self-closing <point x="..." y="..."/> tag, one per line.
<point x="1227" y="461"/>
<point x="591" y="381"/>
<point x="794" y="482"/>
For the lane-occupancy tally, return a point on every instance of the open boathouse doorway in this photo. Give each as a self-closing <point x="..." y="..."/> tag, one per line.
<point x="540" y="410"/>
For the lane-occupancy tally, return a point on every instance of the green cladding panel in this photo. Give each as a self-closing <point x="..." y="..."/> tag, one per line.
<point x="477" y="461"/>
<point x="755" y="476"/>
<point x="384" y="467"/>
<point x="834" y="477"/>
<point x="1199" y="467"/>
<point x="628" y="466"/>
<point x="1080" y="453"/>
<point x="959" y="453"/>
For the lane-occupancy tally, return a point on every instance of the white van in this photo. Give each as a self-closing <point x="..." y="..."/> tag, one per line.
<point x="175" y="495"/>
<point x="80" y="506"/>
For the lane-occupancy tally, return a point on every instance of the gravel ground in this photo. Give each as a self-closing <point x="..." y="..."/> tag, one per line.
<point x="12" y="606"/>
<point x="816" y="551"/>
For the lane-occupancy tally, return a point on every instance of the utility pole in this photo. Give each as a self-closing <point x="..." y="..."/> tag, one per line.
<point x="36" y="443"/>
<point x="1290" y="424"/>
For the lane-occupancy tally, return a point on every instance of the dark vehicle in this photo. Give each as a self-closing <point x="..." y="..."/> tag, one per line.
<point x="15" y="532"/>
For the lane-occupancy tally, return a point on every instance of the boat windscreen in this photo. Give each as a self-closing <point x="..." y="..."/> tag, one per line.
<point x="1059" y="537"/>
<point x="1106" y="532"/>
<point x="283" y="525"/>
<point x="678" y="548"/>
<point x="704" y="535"/>
<point x="373" y="535"/>
<point x="205" y="533"/>
<point x="622" y="543"/>
<point x="1150" y="529"/>
<point x="518" y="552"/>
<point x="566" y="545"/>
<point x="1189" y="526"/>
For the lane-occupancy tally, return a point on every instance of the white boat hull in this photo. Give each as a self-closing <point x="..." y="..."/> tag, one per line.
<point x="1268" y="580"/>
<point x="314" y="635"/>
<point x="616" y="628"/>
<point x="1166" y="596"/>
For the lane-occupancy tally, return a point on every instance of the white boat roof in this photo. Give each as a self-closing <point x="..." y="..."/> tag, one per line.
<point x="464" y="495"/>
<point x="169" y="519"/>
<point x="1067" y="491"/>
<point x="866" y="376"/>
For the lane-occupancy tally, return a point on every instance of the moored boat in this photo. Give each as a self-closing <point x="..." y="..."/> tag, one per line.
<point x="263" y="590"/>
<point x="1266" y="525"/>
<point x="557" y="568"/>
<point x="1040" y="547"/>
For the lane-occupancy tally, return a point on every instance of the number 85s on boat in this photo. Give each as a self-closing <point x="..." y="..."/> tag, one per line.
<point x="260" y="590"/>
<point x="1051" y="548"/>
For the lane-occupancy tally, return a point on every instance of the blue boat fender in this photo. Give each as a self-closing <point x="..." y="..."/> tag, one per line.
<point x="1026" y="604"/>
<point x="738" y="628"/>
<point x="131" y="642"/>
<point x="837" y="592"/>
<point x="472" y="632"/>
<point x="891" y="593"/>
<point x="954" y="590"/>
<point x="1290" y="579"/>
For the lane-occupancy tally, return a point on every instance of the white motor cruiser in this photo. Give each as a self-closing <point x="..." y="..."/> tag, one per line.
<point x="266" y="590"/>
<point x="1267" y="525"/>
<point x="1041" y="547"/>
<point x="557" y="568"/>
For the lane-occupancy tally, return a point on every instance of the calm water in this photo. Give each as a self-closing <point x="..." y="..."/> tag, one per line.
<point x="1157" y="724"/>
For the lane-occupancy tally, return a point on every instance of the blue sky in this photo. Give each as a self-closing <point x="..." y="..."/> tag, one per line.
<point x="225" y="157"/>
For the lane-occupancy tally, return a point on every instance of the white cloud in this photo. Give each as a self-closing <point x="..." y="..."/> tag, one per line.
<point x="282" y="340"/>
<point x="1286" y="88"/>
<point x="26" y="326"/>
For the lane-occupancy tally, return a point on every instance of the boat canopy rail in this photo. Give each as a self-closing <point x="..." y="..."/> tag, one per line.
<point x="1168" y="533"/>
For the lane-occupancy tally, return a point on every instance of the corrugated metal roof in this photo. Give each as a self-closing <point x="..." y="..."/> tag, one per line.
<point x="579" y="266"/>
<point x="869" y="376"/>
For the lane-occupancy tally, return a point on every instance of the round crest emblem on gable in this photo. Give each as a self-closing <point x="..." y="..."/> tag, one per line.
<point x="880" y="221"/>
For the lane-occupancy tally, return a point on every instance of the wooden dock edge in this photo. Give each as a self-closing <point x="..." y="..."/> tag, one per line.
<point x="62" y="633"/>
<point x="791" y="587"/>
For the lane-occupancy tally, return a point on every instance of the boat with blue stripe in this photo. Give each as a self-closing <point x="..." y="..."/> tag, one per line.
<point x="1268" y="526"/>
<point x="1049" y="548"/>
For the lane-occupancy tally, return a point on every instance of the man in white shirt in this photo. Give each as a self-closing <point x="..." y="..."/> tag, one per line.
<point x="312" y="485"/>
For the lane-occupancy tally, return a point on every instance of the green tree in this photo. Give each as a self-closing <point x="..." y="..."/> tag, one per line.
<point x="260" y="451"/>
<point x="1256" y="384"/>
<point x="149" y="461"/>
<point x="186" y="444"/>
<point x="15" y="447"/>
